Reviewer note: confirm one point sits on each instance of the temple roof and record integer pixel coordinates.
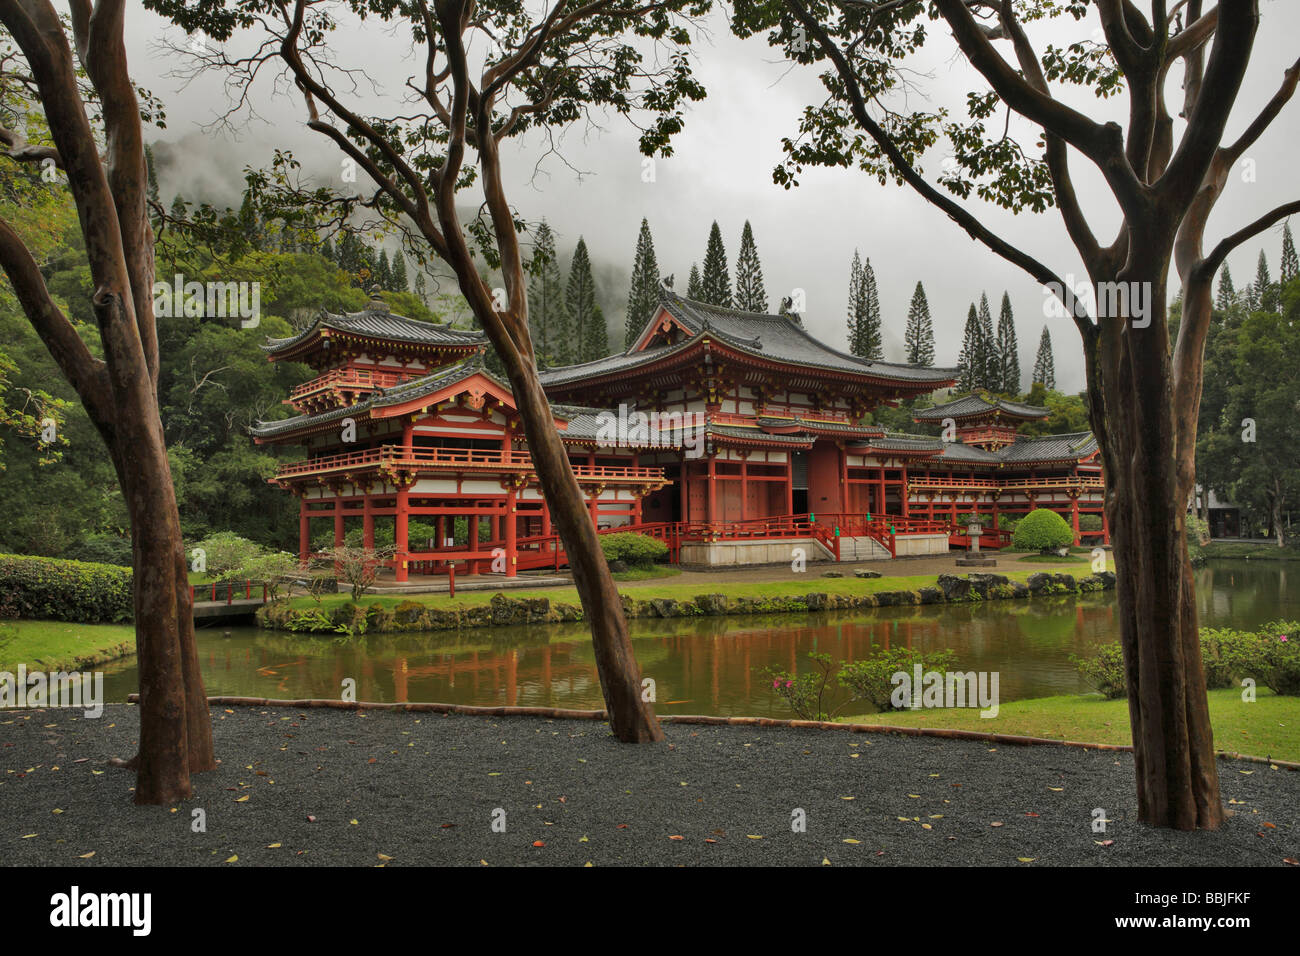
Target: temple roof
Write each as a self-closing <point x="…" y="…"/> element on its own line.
<point x="977" y="406"/>
<point x="377" y="322"/>
<point x="778" y="338"/>
<point x="1074" y="446"/>
<point x="395" y="395"/>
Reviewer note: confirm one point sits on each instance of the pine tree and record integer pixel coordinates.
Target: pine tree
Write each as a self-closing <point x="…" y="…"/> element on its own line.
<point x="580" y="297"/>
<point x="422" y="291"/>
<point x="327" y="252"/>
<point x="1044" y="364"/>
<point x="547" y="320"/>
<point x="643" y="296"/>
<point x="153" y="176"/>
<point x="855" y="303"/>
<point x="1265" y="296"/>
<point x="694" y="285"/>
<point x="989" y="350"/>
<point x="750" y="294"/>
<point x="1227" y="294"/>
<point x="870" y="338"/>
<point x="918" y="338"/>
<point x="383" y="271"/>
<point x="400" y="282"/>
<point x="1008" y="349"/>
<point x="1290" y="263"/>
<point x="350" y="256"/>
<point x="970" y="362"/>
<point x="715" y="281"/>
<point x="595" y="342"/>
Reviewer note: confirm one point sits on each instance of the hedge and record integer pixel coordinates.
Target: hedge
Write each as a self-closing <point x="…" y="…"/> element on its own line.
<point x="638" y="550"/>
<point x="62" y="590"/>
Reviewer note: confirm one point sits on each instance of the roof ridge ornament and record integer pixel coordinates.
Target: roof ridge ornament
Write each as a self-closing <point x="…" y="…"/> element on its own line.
<point x="377" y="303"/>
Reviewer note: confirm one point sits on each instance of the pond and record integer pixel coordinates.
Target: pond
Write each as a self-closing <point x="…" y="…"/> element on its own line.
<point x="706" y="665"/>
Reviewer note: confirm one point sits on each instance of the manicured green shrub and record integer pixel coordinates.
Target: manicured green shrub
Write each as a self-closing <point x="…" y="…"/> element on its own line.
<point x="1042" y="530"/>
<point x="1216" y="656"/>
<point x="1270" y="655"/>
<point x="62" y="590"/>
<point x="223" y="556"/>
<point x="872" y="679"/>
<point x="638" y="550"/>
<point x="1104" y="670"/>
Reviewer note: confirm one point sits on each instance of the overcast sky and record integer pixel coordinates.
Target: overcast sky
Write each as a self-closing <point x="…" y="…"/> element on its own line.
<point x="723" y="170"/>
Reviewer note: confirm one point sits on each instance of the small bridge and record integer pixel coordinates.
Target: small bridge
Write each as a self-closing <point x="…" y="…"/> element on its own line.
<point x="230" y="599"/>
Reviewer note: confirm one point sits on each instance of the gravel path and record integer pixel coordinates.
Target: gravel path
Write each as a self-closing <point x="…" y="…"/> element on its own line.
<point x="401" y="788"/>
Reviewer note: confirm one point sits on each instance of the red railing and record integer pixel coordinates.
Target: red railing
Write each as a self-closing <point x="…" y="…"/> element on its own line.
<point x="226" y="591"/>
<point x="354" y="378"/>
<point x="1010" y="484"/>
<point x="456" y="459"/>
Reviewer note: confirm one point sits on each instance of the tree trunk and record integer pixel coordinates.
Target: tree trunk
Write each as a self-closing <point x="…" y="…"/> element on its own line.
<point x="631" y="718"/>
<point x="1149" y="479"/>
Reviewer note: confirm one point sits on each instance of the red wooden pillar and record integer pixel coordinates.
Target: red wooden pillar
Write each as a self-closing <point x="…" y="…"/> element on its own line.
<point x="1074" y="517"/>
<point x="684" y="490"/>
<point x="367" y="524"/>
<point x="472" y="520"/>
<point x="399" y="534"/>
<point x="712" y="511"/>
<point x="338" y="520"/>
<point x="905" y="497"/>
<point x="744" y="489"/>
<point x="511" y="554"/>
<point x="789" y="482"/>
<point x="304" y="532"/>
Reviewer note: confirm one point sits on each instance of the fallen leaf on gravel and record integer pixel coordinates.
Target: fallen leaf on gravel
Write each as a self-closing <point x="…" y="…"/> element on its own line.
<point x="1271" y="826"/>
<point x="905" y="819"/>
<point x="234" y="859"/>
<point x="86" y="856"/>
<point x="274" y="846"/>
<point x="1056" y="789"/>
<point x="622" y="826"/>
<point x="445" y="826"/>
<point x="710" y="840"/>
<point x="825" y="862"/>
<point x="1246" y="772"/>
<point x="30" y="835"/>
<point x="383" y="856"/>
<point x="936" y="816"/>
<point x="848" y="798"/>
<point x="538" y="843"/>
<point x="310" y="818"/>
<point x="676" y="837"/>
<point x="1031" y="814"/>
<point x="927" y="826"/>
<point x="587" y="864"/>
<point x="1293" y="862"/>
<point x="1104" y="842"/>
<point x="753" y="836"/>
<point x="242" y="799"/>
<point x="56" y="810"/>
<point x="996" y="824"/>
<point x="354" y="823"/>
<point x="852" y="841"/>
<point x="1026" y="859"/>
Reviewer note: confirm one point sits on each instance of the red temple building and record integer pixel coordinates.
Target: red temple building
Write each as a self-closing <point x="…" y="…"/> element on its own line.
<point x="732" y="436"/>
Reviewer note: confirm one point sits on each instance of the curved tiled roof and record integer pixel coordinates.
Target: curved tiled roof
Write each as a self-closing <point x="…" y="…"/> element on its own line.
<point x="381" y="324"/>
<point x="395" y="395"/>
<point x="972" y="406"/>
<point x="1068" y="447"/>
<point x="773" y="337"/>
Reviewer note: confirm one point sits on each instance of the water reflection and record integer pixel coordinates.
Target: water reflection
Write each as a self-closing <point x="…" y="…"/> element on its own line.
<point x="701" y="665"/>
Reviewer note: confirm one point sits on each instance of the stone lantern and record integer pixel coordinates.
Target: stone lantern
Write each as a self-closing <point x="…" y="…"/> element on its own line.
<point x="973" y="558"/>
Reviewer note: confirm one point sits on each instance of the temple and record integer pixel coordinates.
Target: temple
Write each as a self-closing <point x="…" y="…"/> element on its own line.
<point x="732" y="436"/>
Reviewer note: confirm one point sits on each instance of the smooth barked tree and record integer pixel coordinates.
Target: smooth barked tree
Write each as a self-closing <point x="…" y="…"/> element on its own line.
<point x="96" y="152"/>
<point x="1163" y="177"/>
<point x="490" y="71"/>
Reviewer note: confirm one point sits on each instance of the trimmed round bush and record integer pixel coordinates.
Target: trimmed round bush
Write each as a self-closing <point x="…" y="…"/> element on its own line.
<point x="61" y="590"/>
<point x="637" y="550"/>
<point x="1042" y="530"/>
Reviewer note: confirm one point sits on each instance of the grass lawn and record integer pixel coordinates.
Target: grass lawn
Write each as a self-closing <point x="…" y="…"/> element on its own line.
<point x="646" y="574"/>
<point x="1249" y="549"/>
<point x="60" y="646"/>
<point x="795" y="587"/>
<point x="1269" y="727"/>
